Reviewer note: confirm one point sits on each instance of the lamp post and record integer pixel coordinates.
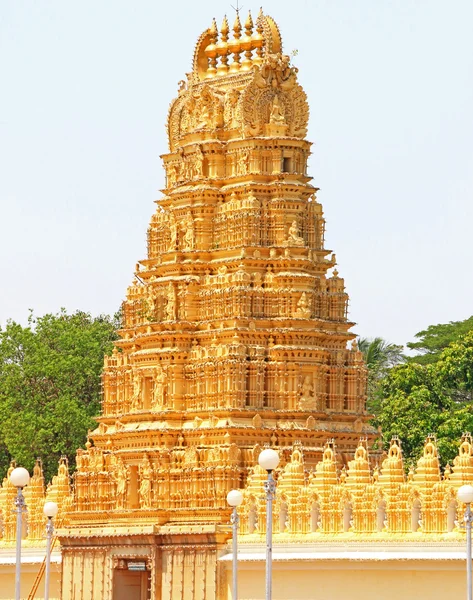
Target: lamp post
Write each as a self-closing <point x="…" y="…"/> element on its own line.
<point x="234" y="499"/>
<point x="19" y="478"/>
<point x="465" y="495"/>
<point x="50" y="510"/>
<point x="269" y="460"/>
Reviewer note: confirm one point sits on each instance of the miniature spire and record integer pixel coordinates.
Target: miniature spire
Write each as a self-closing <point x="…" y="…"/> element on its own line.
<point x="258" y="39"/>
<point x="222" y="48"/>
<point x="234" y="45"/>
<point x="211" y="51"/>
<point x="247" y="44"/>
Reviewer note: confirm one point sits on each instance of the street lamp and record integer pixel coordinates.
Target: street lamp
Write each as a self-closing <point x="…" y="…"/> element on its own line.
<point x="50" y="510"/>
<point x="19" y="478"/>
<point x="269" y="460"/>
<point x="465" y="495"/>
<point x="234" y="499"/>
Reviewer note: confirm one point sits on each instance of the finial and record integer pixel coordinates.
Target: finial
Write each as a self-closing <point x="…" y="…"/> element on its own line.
<point x="237" y="26"/>
<point x="249" y="23"/>
<point x="225" y="28"/>
<point x="258" y="39"/>
<point x="211" y="51"/>
<point x="247" y="44"/>
<point x="222" y="48"/>
<point x="234" y="45"/>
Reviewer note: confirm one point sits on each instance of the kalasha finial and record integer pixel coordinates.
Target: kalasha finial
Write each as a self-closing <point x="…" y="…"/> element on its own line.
<point x="211" y="51"/>
<point x="222" y="48"/>
<point x="247" y="44"/>
<point x="234" y="45"/>
<point x="249" y="24"/>
<point x="258" y="39"/>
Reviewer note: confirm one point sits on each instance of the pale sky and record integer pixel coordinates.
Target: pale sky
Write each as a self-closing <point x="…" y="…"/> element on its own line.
<point x="84" y="94"/>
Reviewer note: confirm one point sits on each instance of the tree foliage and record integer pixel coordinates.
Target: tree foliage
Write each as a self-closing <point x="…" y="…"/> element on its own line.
<point x="419" y="399"/>
<point x="380" y="356"/>
<point x="50" y="385"/>
<point x="433" y="340"/>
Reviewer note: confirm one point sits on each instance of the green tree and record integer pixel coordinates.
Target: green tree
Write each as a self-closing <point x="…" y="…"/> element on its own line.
<point x="50" y="385"/>
<point x="435" y="398"/>
<point x="380" y="356"/>
<point x="433" y="340"/>
<point x="455" y="369"/>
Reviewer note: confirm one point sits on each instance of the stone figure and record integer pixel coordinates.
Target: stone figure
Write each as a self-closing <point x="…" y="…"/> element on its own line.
<point x="171" y="303"/>
<point x="121" y="476"/>
<point x="230" y="109"/>
<point x="244" y="162"/>
<point x="145" y="484"/>
<point x="159" y="391"/>
<point x="303" y="307"/>
<point x="189" y="233"/>
<point x="198" y="163"/>
<point x="277" y="112"/>
<point x="308" y="398"/>
<point x="172" y="175"/>
<point x="307" y="388"/>
<point x="137" y="386"/>
<point x="174" y="234"/>
<point x="294" y="239"/>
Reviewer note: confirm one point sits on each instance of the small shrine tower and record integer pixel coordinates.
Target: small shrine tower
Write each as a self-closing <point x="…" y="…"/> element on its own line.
<point x="234" y="336"/>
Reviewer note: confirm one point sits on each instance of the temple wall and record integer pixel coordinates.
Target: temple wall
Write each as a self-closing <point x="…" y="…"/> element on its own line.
<point x="353" y="580"/>
<point x="28" y="576"/>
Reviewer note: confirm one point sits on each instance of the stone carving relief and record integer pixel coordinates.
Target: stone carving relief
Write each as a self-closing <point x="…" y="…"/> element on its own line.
<point x="293" y="237"/>
<point x="231" y="112"/>
<point x="197" y="109"/>
<point x="144" y="492"/>
<point x="188" y="238"/>
<point x="275" y="97"/>
<point x="137" y="391"/>
<point x="308" y="397"/>
<point x="159" y="388"/>
<point x="303" y="307"/>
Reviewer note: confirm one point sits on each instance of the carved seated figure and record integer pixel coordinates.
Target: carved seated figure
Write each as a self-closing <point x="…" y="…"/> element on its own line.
<point x="277" y="112"/>
<point x="293" y="237"/>
<point x="303" y="308"/>
<point x="307" y="400"/>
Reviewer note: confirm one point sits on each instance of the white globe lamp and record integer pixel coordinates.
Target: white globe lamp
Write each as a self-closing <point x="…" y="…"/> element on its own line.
<point x="50" y="509"/>
<point x="20" y="477"/>
<point x="234" y="498"/>
<point x="268" y="459"/>
<point x="465" y="494"/>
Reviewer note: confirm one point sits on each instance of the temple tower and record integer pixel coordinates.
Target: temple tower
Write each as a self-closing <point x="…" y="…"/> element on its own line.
<point x="234" y="334"/>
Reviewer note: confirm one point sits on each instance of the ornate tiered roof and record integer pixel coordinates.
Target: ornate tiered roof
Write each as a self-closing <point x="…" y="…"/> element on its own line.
<point x="235" y="327"/>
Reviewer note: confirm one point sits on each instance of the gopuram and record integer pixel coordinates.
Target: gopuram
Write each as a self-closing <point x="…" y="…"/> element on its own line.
<point x="235" y="335"/>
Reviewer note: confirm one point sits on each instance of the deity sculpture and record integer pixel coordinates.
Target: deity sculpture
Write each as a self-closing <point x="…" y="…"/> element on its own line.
<point x="303" y="307"/>
<point x="230" y="110"/>
<point x="243" y="162"/>
<point x="277" y="112"/>
<point x="159" y="390"/>
<point x="120" y="476"/>
<point x="171" y="303"/>
<point x="307" y="400"/>
<point x="172" y="175"/>
<point x="198" y="163"/>
<point x="174" y="234"/>
<point x="294" y="239"/>
<point x="189" y="234"/>
<point x="145" y="484"/>
<point x="137" y="386"/>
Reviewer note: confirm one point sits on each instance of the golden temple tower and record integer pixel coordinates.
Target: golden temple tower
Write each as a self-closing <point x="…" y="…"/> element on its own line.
<point x="234" y="335"/>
